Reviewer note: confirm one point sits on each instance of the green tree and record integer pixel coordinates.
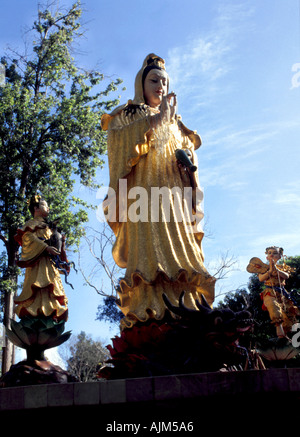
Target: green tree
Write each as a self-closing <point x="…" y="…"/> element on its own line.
<point x="108" y="311"/>
<point x="87" y="356"/>
<point x="294" y="280"/>
<point x="50" y="135"/>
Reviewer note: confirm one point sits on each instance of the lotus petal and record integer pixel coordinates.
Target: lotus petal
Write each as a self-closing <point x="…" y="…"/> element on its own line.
<point x="58" y="328"/>
<point x="28" y="321"/>
<point x="15" y="339"/>
<point x="58" y="341"/>
<point x="31" y="335"/>
<point x="41" y="332"/>
<point x="48" y="322"/>
<point x="18" y="329"/>
<point x="278" y="350"/>
<point x="24" y="331"/>
<point x="46" y="336"/>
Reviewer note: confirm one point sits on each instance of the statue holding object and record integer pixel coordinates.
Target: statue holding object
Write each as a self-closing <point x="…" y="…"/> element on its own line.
<point x="282" y="308"/>
<point x="42" y="304"/>
<point x="159" y="244"/>
<point x="161" y="255"/>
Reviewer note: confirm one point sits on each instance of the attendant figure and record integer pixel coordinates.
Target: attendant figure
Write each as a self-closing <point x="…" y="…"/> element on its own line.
<point x="42" y="293"/>
<point x="276" y="300"/>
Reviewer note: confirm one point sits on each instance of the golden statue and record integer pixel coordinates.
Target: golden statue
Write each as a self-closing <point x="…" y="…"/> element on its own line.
<point x="42" y="304"/>
<point x="42" y="293"/>
<point x="276" y="300"/>
<point x="157" y="219"/>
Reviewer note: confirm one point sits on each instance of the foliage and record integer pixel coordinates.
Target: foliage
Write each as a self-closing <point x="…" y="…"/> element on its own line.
<point x="50" y="133"/>
<point x="108" y="311"/>
<point x="294" y="280"/>
<point x="86" y="358"/>
<point x="50" y="124"/>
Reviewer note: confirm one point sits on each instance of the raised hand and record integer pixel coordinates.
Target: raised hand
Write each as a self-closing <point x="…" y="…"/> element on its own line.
<point x="168" y="106"/>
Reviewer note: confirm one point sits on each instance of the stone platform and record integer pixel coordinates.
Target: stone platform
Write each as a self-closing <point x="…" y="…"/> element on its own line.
<point x="182" y="399"/>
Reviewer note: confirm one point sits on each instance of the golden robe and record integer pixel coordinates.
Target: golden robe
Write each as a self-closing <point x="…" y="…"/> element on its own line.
<point x="42" y="292"/>
<point x="281" y="309"/>
<point x="160" y="253"/>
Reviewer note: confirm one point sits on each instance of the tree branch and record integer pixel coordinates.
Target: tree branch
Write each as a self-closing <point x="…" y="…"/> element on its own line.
<point x="225" y="266"/>
<point x="102" y="255"/>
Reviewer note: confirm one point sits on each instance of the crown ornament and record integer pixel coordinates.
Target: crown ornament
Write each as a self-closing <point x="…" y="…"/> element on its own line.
<point x="156" y="61"/>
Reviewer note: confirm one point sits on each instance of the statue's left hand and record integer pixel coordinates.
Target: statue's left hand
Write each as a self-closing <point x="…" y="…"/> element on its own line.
<point x="52" y="250"/>
<point x="168" y="106"/>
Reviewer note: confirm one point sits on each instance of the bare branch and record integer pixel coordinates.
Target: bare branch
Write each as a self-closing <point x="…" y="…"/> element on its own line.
<point x="225" y="266"/>
<point x="100" y="244"/>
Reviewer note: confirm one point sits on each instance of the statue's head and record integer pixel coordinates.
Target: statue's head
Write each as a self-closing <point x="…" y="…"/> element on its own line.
<point x="274" y="252"/>
<point x="38" y="206"/>
<point x="152" y="72"/>
<point x="152" y="65"/>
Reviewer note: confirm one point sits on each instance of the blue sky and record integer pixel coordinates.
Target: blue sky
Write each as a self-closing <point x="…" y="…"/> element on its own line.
<point x="235" y="68"/>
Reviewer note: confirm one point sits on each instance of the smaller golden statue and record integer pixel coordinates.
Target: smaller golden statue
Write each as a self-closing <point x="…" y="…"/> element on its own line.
<point x="42" y="292"/>
<point x="276" y="299"/>
<point x="42" y="304"/>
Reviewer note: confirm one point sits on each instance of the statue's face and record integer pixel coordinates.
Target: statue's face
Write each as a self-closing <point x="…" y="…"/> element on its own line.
<point x="155" y="87"/>
<point x="273" y="254"/>
<point x="42" y="210"/>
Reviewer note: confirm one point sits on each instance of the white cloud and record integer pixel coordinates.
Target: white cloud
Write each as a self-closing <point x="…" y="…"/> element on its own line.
<point x="256" y="134"/>
<point x="235" y="158"/>
<point x="290" y="241"/>
<point x="289" y="196"/>
<point x="197" y="67"/>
